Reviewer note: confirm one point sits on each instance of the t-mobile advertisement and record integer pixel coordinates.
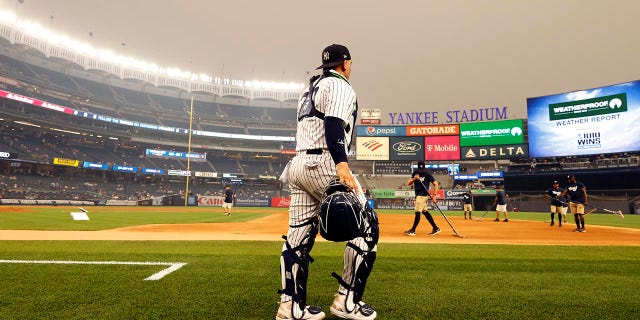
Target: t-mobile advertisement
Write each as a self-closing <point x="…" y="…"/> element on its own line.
<point x="442" y="148"/>
<point x="593" y="121"/>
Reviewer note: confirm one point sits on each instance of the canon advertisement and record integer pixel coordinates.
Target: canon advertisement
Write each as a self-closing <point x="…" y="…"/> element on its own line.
<point x="594" y="121"/>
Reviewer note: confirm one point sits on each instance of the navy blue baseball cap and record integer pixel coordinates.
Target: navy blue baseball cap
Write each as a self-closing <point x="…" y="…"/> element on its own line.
<point x="555" y="182"/>
<point x="420" y="164"/>
<point x="334" y="55"/>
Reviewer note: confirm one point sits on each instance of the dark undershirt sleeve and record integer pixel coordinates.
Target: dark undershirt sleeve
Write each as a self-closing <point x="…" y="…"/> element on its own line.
<point x="334" y="135"/>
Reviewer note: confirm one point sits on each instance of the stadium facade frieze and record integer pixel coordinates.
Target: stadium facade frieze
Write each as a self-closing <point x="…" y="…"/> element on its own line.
<point x="451" y="116"/>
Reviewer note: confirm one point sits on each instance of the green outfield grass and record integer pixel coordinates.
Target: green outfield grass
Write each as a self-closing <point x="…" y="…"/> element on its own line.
<point x="102" y="218"/>
<point x="238" y="280"/>
<point x="59" y="218"/>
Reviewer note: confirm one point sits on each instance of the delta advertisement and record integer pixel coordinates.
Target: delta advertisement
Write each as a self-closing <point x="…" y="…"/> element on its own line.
<point x="507" y="151"/>
<point x="593" y="121"/>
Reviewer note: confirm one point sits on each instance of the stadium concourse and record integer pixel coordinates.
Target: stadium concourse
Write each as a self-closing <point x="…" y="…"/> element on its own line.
<point x="271" y="228"/>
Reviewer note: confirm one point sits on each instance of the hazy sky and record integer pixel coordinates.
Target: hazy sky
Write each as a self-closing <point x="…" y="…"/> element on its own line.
<point x="416" y="55"/>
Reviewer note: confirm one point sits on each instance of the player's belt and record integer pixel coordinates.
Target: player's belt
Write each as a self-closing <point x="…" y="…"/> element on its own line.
<point x="314" y="151"/>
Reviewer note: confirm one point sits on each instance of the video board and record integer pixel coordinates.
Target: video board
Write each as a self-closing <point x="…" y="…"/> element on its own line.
<point x="593" y="121"/>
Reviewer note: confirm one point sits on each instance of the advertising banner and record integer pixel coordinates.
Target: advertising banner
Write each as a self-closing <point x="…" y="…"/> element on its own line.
<point x="406" y="148"/>
<point x="442" y="148"/>
<point x="454" y="194"/>
<point x="516" y="151"/>
<point x="176" y="154"/>
<point x="383" y="193"/>
<point x="210" y="201"/>
<point x="490" y="174"/>
<point x="465" y="177"/>
<point x="125" y="169"/>
<point x="491" y="133"/>
<point x="8" y="155"/>
<point x="66" y="162"/>
<point x="253" y="202"/>
<point x="404" y="194"/>
<point x="93" y="165"/>
<point x="280" y="202"/>
<point x="206" y="174"/>
<point x="372" y="148"/>
<point x="435" y="130"/>
<point x="380" y="131"/>
<point x="585" y="122"/>
<point x="35" y="102"/>
<point x="182" y="173"/>
<point x="152" y="171"/>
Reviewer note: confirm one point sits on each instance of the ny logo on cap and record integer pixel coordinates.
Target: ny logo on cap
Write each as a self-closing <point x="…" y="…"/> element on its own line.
<point x="325" y="55"/>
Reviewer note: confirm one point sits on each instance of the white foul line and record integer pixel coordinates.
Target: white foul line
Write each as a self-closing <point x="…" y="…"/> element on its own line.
<point x="173" y="266"/>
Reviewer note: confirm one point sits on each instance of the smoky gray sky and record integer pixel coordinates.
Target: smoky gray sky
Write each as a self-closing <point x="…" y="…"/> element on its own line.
<point x="408" y="56"/>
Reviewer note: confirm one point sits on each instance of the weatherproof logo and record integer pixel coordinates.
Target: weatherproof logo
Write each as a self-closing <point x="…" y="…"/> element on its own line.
<point x="588" y="107"/>
<point x="516" y="131"/>
<point x="372" y="145"/>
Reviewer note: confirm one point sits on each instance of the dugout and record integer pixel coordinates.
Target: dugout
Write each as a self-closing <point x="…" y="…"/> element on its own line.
<point x="612" y="188"/>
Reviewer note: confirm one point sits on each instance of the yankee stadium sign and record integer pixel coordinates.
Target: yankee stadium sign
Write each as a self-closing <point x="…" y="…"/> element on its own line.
<point x="452" y="116"/>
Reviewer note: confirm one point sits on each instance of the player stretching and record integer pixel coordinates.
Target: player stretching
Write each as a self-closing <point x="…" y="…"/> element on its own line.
<point x="326" y="116"/>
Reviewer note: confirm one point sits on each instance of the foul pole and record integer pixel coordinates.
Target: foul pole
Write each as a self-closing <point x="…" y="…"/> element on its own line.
<point x="186" y="193"/>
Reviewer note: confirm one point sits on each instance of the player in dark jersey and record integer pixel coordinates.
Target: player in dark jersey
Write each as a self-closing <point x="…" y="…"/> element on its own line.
<point x="467" y="205"/>
<point x="228" y="200"/>
<point x="557" y="204"/>
<point x="500" y="202"/>
<point x="420" y="179"/>
<point x="577" y="193"/>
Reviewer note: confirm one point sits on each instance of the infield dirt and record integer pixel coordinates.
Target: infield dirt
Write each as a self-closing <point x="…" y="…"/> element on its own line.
<point x="392" y="226"/>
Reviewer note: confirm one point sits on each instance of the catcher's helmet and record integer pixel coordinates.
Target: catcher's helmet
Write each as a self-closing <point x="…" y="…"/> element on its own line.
<point x="341" y="215"/>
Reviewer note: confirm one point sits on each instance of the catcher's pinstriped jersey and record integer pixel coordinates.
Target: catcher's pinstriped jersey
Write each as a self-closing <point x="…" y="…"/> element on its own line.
<point x="334" y="97"/>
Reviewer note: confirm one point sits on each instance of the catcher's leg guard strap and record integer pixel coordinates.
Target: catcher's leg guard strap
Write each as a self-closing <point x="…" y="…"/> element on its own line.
<point x="294" y="268"/>
<point x="360" y="255"/>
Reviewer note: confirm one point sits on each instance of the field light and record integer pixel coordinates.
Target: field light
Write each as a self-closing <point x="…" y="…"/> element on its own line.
<point x="35" y="30"/>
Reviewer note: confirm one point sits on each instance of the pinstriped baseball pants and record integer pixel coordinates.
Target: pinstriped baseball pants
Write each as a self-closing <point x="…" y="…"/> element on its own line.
<point x="308" y="177"/>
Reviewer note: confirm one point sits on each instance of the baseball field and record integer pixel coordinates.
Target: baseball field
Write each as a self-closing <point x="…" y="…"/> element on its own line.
<point x="195" y="263"/>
